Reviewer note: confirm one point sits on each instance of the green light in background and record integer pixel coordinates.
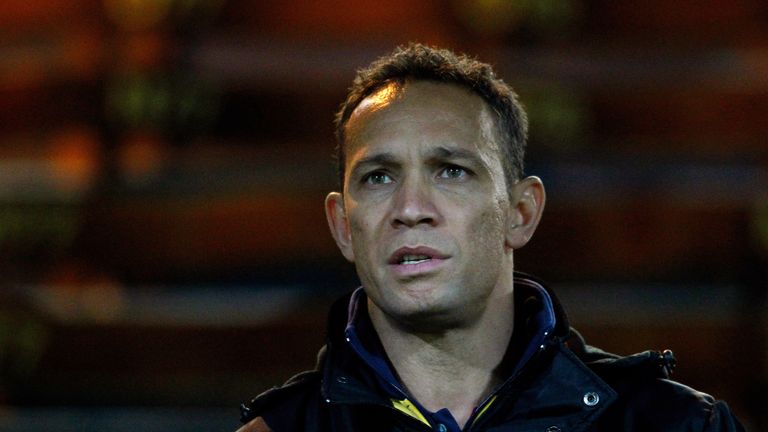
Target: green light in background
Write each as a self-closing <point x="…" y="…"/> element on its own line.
<point x="496" y="17"/>
<point x="559" y="118"/>
<point x="164" y="103"/>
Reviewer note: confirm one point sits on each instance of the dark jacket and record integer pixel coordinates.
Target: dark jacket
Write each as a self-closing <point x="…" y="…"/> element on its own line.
<point x="565" y="386"/>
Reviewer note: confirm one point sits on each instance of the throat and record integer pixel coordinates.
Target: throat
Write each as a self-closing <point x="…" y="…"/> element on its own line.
<point x="455" y="368"/>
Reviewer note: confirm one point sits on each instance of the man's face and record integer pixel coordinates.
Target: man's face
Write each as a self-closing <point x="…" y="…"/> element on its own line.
<point x="426" y="203"/>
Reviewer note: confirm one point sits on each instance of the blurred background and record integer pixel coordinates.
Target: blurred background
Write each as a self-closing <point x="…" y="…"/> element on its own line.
<point x="163" y="249"/>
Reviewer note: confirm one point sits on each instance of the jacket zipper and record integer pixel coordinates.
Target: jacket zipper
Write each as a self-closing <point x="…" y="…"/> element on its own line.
<point x="472" y="421"/>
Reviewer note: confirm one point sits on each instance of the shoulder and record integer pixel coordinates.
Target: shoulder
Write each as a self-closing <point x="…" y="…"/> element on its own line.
<point x="649" y="400"/>
<point x="286" y="407"/>
<point x="662" y="404"/>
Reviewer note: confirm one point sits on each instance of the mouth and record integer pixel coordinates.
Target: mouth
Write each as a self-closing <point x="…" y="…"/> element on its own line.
<point x="415" y="260"/>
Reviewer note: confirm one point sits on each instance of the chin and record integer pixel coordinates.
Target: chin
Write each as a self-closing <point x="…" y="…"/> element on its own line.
<point x="431" y="321"/>
<point x="424" y="313"/>
<point x="419" y="296"/>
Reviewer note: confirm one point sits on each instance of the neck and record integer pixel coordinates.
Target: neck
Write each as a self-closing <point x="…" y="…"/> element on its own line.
<point x="455" y="368"/>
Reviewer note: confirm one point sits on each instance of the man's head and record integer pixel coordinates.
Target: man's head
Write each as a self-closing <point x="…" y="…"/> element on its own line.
<point x="426" y="211"/>
<point x="417" y="62"/>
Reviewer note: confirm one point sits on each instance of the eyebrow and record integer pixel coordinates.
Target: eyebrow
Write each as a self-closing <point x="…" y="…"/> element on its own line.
<point x="378" y="159"/>
<point x="442" y="153"/>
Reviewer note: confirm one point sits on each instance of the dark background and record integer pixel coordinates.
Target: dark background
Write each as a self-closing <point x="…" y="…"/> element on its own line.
<point x="163" y="249"/>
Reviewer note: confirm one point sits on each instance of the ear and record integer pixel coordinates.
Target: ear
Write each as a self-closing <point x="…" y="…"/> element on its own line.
<point x="526" y="208"/>
<point x="338" y="223"/>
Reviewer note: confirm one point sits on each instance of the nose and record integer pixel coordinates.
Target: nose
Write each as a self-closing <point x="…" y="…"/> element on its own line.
<point x="414" y="205"/>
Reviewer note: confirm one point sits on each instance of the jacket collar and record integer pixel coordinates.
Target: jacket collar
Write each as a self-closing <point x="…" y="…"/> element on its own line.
<point x="552" y="380"/>
<point x="532" y="303"/>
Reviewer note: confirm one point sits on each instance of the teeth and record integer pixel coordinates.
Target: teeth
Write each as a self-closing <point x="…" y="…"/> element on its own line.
<point x="414" y="259"/>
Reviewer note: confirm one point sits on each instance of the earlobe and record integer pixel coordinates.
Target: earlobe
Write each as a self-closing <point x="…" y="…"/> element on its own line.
<point x="336" y="215"/>
<point x="526" y="207"/>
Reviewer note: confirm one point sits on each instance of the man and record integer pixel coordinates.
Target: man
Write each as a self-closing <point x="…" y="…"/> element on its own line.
<point x="443" y="334"/>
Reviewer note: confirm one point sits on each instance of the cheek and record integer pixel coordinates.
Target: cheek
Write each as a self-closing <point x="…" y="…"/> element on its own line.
<point x="487" y="232"/>
<point x="360" y="225"/>
<point x="362" y="229"/>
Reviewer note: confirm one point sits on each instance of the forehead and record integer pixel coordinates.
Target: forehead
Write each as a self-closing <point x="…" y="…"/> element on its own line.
<point x="420" y="111"/>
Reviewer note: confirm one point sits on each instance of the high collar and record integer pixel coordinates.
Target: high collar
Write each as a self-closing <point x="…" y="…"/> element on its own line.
<point x="535" y="322"/>
<point x="548" y="378"/>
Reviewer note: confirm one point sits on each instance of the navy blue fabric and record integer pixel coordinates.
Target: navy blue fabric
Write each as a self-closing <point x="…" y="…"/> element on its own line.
<point x="371" y="352"/>
<point x="540" y="324"/>
<point x="445" y="418"/>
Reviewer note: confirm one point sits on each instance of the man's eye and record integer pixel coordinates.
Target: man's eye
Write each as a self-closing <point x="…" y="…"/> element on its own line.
<point x="377" y="178"/>
<point x="453" y="172"/>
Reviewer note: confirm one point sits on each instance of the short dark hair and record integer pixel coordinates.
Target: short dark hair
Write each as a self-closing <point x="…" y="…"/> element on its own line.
<point x="421" y="62"/>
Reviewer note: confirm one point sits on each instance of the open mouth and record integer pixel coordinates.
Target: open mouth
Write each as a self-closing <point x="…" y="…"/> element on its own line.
<point x="411" y="256"/>
<point x="414" y="259"/>
<point x="410" y="262"/>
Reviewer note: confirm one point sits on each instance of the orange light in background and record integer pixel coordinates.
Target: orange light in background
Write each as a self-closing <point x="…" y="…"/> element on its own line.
<point x="399" y="20"/>
<point x="74" y="159"/>
<point x="81" y="54"/>
<point x="74" y="291"/>
<point x="31" y="13"/>
<point x="144" y="51"/>
<point x="358" y="14"/>
<point x="33" y="63"/>
<point x="24" y="69"/>
<point x="141" y="158"/>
